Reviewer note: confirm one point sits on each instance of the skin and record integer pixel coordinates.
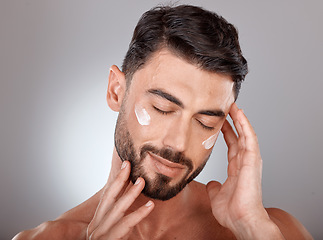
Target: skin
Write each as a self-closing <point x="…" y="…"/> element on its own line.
<point x="233" y="210"/>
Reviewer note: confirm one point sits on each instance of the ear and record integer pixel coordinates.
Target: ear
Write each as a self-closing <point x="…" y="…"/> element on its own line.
<point x="116" y="88"/>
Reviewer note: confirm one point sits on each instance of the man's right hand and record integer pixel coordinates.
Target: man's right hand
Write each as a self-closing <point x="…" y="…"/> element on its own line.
<point x="109" y="221"/>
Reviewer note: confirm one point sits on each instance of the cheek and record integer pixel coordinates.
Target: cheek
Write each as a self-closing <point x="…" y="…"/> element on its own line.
<point x="201" y="150"/>
<point x="209" y="143"/>
<point x="141" y="123"/>
<point x="142" y="115"/>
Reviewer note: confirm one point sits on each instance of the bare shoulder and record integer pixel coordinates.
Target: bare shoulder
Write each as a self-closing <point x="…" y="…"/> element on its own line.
<point x="52" y="230"/>
<point x="70" y="225"/>
<point x="290" y="227"/>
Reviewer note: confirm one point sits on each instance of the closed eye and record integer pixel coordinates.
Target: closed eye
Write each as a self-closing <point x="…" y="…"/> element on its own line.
<point x="168" y="112"/>
<point x="161" y="111"/>
<point x="205" y="127"/>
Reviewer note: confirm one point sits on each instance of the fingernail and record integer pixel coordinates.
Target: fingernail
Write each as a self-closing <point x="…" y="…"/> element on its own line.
<point x="137" y="181"/>
<point x="124" y="164"/>
<point x="149" y="203"/>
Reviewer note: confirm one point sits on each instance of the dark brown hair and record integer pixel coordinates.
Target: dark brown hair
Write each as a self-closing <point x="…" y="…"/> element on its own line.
<point x="198" y="36"/>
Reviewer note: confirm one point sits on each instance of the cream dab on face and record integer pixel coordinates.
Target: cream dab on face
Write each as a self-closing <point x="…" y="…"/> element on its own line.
<point x="142" y="115"/>
<point x="208" y="143"/>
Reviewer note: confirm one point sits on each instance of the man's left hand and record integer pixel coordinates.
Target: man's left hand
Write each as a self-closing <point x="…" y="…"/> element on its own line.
<point x="237" y="204"/>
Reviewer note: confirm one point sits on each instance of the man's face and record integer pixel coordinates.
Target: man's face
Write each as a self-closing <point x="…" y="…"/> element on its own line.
<point x="169" y="121"/>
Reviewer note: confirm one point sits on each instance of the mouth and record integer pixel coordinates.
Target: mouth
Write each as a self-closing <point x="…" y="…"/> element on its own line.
<point x="166" y="167"/>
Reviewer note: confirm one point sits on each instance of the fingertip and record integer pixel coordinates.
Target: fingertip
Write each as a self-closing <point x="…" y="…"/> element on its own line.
<point x="241" y="113"/>
<point x="149" y="204"/>
<point x="213" y="186"/>
<point x="124" y="171"/>
<point x="140" y="183"/>
<point x="234" y="107"/>
<point x="210" y="183"/>
<point x="124" y="164"/>
<point x="137" y="181"/>
<point x="242" y="116"/>
<point x="141" y="179"/>
<point x="234" y="111"/>
<point x="143" y="182"/>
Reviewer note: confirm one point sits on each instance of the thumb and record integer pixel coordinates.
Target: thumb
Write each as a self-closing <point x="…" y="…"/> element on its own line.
<point x="213" y="188"/>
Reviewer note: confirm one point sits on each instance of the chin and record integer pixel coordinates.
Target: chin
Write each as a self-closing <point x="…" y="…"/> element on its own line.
<point x="162" y="188"/>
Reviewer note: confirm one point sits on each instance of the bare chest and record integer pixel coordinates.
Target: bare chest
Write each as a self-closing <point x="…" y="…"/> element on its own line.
<point x="192" y="229"/>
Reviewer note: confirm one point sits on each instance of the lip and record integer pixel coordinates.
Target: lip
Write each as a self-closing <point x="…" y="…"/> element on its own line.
<point x="166" y="167"/>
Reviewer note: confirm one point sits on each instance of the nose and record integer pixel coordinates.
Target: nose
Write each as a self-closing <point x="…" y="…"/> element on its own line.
<point x="177" y="135"/>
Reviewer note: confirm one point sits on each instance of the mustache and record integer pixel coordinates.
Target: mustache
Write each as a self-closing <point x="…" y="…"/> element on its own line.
<point x="168" y="154"/>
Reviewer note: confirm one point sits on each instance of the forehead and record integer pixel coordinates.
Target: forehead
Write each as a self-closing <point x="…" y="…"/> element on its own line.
<point x="192" y="85"/>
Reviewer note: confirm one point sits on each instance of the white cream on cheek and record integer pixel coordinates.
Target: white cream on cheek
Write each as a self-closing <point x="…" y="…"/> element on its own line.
<point x="208" y="143"/>
<point x="142" y="115"/>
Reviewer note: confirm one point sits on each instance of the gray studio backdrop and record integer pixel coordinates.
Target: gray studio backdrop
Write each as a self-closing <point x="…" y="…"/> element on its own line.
<point x="56" y="132"/>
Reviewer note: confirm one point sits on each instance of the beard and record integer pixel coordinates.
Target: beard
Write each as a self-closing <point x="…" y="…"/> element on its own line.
<point x="160" y="186"/>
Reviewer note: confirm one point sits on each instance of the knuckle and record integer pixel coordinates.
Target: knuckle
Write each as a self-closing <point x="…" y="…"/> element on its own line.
<point x="118" y="208"/>
<point x="131" y="195"/>
<point x="128" y="223"/>
<point x="107" y="195"/>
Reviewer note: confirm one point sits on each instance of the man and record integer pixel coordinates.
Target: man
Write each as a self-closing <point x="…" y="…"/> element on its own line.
<point x="179" y="81"/>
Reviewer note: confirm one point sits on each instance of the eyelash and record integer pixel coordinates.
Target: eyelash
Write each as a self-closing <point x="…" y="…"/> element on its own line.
<point x="168" y="112"/>
<point x="205" y="127"/>
<point x="161" y="111"/>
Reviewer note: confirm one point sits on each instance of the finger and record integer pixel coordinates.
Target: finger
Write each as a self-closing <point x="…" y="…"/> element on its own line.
<point x="125" y="189"/>
<point x="213" y="188"/>
<point x="229" y="135"/>
<point x="126" y="224"/>
<point x="242" y="139"/>
<point x="234" y="113"/>
<point x="252" y="155"/>
<point x="122" y="205"/>
<point x="234" y="116"/>
<point x="110" y="195"/>
<point x="251" y="140"/>
<point x="230" y="139"/>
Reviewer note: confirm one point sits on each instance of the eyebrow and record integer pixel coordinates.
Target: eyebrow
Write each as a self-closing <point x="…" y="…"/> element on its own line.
<point x="167" y="96"/>
<point x="216" y="113"/>
<point x="173" y="99"/>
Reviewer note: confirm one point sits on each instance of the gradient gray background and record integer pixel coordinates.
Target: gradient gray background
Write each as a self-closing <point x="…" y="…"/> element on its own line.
<point x="56" y="132"/>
